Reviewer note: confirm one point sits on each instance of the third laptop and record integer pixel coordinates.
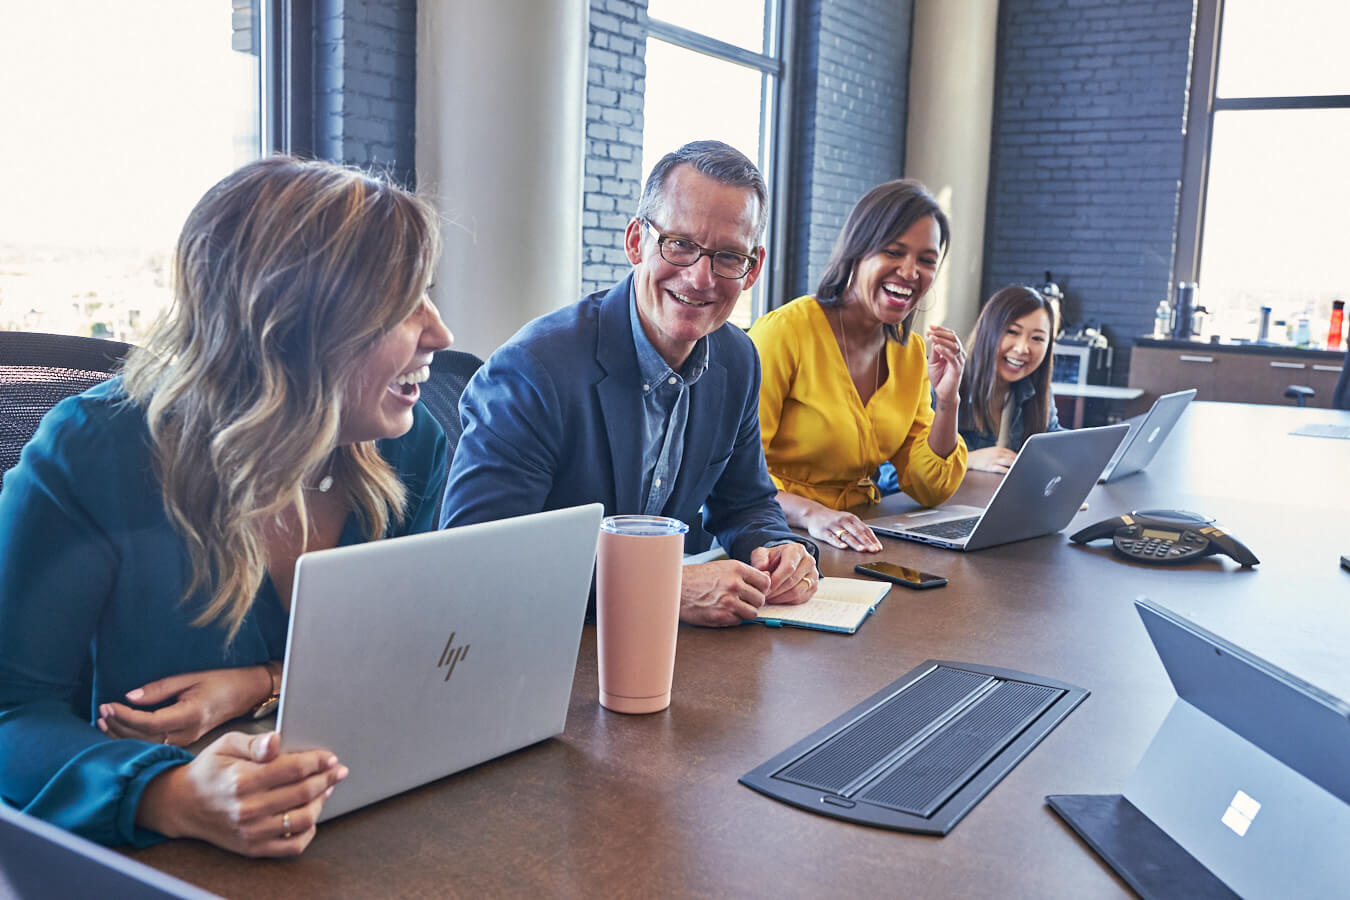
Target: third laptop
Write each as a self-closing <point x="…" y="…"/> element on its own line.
<point x="1137" y="450"/>
<point x="1040" y="494"/>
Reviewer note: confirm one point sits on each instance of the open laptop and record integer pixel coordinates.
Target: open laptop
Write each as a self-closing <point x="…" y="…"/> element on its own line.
<point x="1145" y="437"/>
<point x="416" y="657"/>
<point x="1040" y="494"/>
<point x="1245" y="789"/>
<point x="38" y="861"/>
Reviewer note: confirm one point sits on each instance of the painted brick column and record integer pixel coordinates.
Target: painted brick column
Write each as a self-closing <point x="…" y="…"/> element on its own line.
<point x="616" y="80"/>
<point x="364" y="83"/>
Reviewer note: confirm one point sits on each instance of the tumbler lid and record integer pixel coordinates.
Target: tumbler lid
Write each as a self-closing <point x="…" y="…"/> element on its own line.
<point x="647" y="526"/>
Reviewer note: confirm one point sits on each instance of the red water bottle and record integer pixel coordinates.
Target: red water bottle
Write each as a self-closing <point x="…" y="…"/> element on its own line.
<point x="1337" y="320"/>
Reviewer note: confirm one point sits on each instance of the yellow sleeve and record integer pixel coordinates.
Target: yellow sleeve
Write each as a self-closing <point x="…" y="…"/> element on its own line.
<point x="924" y="475"/>
<point x="779" y="354"/>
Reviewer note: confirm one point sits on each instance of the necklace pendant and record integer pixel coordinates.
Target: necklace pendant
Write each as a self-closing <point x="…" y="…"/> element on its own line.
<point x="325" y="484"/>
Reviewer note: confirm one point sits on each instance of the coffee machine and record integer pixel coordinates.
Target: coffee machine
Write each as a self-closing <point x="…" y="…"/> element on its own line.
<point x="1186" y="315"/>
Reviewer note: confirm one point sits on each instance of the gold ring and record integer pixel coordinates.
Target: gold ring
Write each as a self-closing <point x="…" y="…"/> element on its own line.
<point x="286" y="825"/>
<point x="840" y="534"/>
<point x="809" y="581"/>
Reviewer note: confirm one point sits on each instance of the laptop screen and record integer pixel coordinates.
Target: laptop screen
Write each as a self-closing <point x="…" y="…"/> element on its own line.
<point x="40" y="861"/>
<point x="1303" y="727"/>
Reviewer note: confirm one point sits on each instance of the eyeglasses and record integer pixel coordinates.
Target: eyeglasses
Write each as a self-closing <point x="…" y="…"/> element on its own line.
<point x="680" y="251"/>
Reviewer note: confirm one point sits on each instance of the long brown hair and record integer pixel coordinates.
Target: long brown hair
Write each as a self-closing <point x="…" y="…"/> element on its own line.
<point x="981" y="373"/>
<point x="285" y="273"/>
<point x="875" y="222"/>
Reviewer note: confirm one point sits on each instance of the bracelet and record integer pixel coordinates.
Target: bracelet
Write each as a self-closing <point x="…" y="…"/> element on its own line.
<point x="269" y="703"/>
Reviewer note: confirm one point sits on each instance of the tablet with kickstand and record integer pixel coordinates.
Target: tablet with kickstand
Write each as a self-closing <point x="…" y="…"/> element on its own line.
<point x="1244" y="790"/>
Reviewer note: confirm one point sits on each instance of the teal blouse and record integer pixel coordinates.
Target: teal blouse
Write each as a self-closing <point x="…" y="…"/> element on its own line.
<point x="91" y="576"/>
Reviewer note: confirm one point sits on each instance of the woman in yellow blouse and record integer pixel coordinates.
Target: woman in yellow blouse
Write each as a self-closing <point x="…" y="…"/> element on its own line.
<point x="846" y="385"/>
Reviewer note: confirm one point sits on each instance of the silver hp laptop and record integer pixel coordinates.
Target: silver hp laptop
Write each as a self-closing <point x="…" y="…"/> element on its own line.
<point x="1138" y="450"/>
<point x="1245" y="783"/>
<point x="1040" y="494"/>
<point x="416" y="657"/>
<point x="39" y="860"/>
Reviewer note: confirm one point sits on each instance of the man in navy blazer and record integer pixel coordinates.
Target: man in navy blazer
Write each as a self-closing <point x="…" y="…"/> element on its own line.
<point x="644" y="399"/>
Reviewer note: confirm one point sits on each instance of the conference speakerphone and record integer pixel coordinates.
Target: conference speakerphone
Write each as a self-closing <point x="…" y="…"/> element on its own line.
<point x="921" y="752"/>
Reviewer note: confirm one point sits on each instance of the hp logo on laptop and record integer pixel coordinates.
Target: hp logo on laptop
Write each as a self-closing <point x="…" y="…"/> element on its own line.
<point x="1051" y="485"/>
<point x="451" y="655"/>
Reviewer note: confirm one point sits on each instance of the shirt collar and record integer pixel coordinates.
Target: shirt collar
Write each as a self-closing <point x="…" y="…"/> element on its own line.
<point x="1022" y="390"/>
<point x="651" y="366"/>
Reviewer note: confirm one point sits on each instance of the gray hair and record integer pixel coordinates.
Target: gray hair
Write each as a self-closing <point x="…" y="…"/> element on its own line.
<point x="720" y="162"/>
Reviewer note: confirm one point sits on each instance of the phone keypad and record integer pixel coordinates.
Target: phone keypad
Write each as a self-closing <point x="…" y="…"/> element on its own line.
<point x="1131" y="542"/>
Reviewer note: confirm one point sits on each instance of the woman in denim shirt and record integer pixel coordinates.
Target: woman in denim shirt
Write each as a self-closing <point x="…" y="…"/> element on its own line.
<point x="1005" y="394"/>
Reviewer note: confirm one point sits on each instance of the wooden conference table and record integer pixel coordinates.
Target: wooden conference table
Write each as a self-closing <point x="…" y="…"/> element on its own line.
<point x="650" y="806"/>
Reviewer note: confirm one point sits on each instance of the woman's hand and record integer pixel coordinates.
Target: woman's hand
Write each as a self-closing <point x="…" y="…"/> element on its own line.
<point x="946" y="362"/>
<point x="240" y="793"/>
<point x="201" y="701"/>
<point x="991" y="459"/>
<point x="826" y="524"/>
<point x="839" y="528"/>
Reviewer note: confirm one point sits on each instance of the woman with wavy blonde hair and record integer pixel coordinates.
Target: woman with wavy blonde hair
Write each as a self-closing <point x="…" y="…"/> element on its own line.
<point x="149" y="533"/>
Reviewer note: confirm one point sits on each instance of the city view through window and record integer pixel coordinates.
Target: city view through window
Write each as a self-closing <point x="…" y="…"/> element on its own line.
<point x="118" y="117"/>
<point x="1275" y="227"/>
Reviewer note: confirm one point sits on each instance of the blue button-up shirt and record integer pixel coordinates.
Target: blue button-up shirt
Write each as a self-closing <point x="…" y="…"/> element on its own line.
<point x="665" y="412"/>
<point x="1019" y="395"/>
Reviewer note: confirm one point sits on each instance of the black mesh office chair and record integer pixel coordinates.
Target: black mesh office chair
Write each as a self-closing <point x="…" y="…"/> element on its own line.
<point x="37" y="371"/>
<point x="450" y="372"/>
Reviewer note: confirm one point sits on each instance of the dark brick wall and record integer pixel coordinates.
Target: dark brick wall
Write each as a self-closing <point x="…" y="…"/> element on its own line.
<point x="365" y="83"/>
<point x="852" y="66"/>
<point x="616" y="80"/>
<point x="1089" y="108"/>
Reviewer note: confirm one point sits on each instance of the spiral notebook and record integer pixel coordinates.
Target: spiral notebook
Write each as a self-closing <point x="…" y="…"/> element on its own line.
<point x="839" y="604"/>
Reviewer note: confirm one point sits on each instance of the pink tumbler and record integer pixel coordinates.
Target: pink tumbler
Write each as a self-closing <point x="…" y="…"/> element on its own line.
<point x="637" y="597"/>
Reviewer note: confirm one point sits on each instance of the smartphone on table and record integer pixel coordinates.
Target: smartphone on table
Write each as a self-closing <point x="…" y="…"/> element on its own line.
<point x="901" y="575"/>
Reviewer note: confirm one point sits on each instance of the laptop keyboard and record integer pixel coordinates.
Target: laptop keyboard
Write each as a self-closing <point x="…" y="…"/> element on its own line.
<point x="956" y="528"/>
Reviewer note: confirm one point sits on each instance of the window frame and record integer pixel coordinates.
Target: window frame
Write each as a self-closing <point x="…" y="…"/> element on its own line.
<point x="775" y="110"/>
<point x="287" y="99"/>
<point x="1202" y="105"/>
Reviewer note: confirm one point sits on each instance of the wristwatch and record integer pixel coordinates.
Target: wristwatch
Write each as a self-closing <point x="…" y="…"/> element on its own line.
<point x="268" y="704"/>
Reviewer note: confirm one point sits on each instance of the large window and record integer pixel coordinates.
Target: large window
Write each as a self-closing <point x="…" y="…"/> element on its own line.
<point x="117" y="117"/>
<point x="1264" y="218"/>
<point x="714" y="71"/>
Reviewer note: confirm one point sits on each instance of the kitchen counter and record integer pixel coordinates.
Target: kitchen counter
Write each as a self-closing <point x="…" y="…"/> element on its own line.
<point x="1336" y="356"/>
<point x="1235" y="373"/>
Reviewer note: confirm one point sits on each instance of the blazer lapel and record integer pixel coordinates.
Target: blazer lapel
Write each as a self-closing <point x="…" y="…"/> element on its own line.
<point x="620" y="399"/>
